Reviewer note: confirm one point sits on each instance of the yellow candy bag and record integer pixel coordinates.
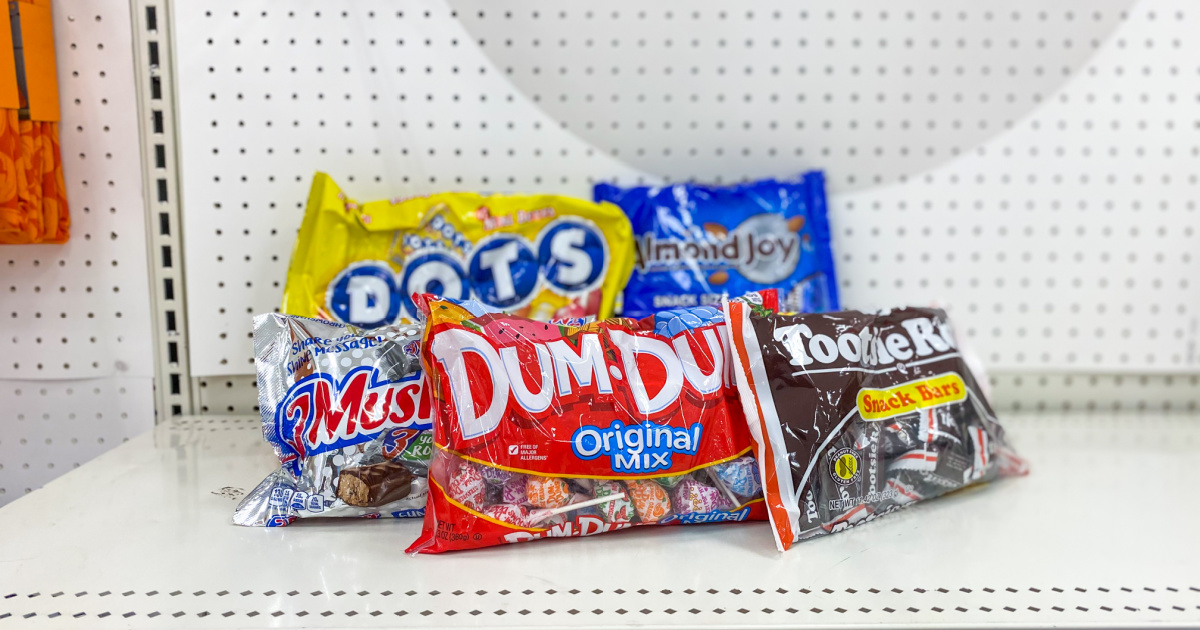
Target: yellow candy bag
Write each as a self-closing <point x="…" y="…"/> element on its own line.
<point x="544" y="257"/>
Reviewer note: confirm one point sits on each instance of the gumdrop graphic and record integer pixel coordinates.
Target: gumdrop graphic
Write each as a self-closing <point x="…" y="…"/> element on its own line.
<point x="672" y="322"/>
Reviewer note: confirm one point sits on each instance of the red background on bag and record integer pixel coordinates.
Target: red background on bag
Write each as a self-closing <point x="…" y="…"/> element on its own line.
<point x="724" y="433"/>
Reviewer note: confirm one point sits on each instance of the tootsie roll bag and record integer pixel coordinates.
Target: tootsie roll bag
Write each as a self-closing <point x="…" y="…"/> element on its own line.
<point x="859" y="414"/>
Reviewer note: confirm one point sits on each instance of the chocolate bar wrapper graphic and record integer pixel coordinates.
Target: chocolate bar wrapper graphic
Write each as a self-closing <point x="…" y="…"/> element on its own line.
<point x="347" y="413"/>
<point x="375" y="485"/>
<point x="856" y="415"/>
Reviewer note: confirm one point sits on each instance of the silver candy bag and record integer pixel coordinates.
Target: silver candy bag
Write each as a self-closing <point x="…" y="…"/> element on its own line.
<point x="348" y="414"/>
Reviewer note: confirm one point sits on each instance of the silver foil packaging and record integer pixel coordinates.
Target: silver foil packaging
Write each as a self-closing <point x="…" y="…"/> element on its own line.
<point x="348" y="415"/>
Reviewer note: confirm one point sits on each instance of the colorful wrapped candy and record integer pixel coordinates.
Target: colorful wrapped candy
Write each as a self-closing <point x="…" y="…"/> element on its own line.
<point x="547" y="492"/>
<point x="601" y="420"/>
<point x="650" y="500"/>
<point x="671" y="482"/>
<point x="693" y="497"/>
<point x="497" y="476"/>
<point x="617" y="510"/>
<point x="513" y="490"/>
<point x="509" y="513"/>
<point x="468" y="487"/>
<point x="740" y="476"/>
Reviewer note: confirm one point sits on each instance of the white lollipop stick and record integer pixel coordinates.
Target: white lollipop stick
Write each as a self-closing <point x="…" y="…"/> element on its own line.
<point x="723" y="488"/>
<point x="538" y="516"/>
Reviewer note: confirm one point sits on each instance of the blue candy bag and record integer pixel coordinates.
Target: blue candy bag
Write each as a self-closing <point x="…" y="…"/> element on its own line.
<point x="696" y="244"/>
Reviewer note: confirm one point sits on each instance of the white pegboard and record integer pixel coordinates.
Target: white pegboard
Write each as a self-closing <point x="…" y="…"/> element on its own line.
<point x="227" y="395"/>
<point x="81" y="310"/>
<point x="1028" y="165"/>
<point x="1010" y="393"/>
<point x="1024" y="392"/>
<point x="52" y="427"/>
<point x="77" y="369"/>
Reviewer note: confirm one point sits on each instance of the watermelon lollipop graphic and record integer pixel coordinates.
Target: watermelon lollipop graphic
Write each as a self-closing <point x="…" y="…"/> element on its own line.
<point x="507" y="331"/>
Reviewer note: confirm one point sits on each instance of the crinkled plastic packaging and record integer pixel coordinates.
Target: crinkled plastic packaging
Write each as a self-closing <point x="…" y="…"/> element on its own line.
<point x="856" y="415"/>
<point x="544" y="430"/>
<point x="349" y="417"/>
<point x="697" y="244"/>
<point x="540" y="256"/>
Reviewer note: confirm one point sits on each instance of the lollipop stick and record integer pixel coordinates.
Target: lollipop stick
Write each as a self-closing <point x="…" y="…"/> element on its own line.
<point x="541" y="515"/>
<point x="723" y="488"/>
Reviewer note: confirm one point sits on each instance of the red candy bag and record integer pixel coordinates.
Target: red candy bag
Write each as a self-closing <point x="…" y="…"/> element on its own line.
<point x="547" y="431"/>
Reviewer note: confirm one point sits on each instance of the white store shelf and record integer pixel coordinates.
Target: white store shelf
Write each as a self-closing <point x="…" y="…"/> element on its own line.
<point x="1101" y="533"/>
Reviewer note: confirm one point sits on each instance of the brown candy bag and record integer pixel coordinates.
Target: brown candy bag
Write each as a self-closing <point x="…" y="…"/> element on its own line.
<point x="859" y="414"/>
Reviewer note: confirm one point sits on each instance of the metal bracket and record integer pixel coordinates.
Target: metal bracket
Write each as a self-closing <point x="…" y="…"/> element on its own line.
<point x="164" y="225"/>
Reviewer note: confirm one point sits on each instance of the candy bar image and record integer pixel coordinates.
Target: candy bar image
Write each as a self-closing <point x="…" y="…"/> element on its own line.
<point x="859" y="414"/>
<point x="374" y="485"/>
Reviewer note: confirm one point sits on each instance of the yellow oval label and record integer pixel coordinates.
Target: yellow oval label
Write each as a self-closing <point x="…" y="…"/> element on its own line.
<point x="943" y="389"/>
<point x="845" y="467"/>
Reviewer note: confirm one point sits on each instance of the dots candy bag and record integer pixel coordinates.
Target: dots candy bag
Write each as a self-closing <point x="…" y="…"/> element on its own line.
<point x="349" y="416"/>
<point x="696" y="244"/>
<point x="540" y="256"/>
<point x="544" y="430"/>
<point x="856" y="415"/>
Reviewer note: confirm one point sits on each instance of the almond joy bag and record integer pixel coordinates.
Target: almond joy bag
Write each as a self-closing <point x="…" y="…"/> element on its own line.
<point x="544" y="430"/>
<point x="859" y="414"/>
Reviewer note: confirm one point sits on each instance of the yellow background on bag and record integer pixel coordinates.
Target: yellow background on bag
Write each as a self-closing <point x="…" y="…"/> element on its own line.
<point x="337" y="232"/>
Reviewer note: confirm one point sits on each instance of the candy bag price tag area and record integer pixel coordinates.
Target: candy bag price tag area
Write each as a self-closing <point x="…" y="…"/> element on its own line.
<point x="547" y="430"/>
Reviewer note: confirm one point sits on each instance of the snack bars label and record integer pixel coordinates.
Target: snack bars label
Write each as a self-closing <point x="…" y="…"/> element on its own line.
<point x="858" y="414"/>
<point x="348" y="414"/>
<point x="635" y="422"/>
<point x="541" y="256"/>
<point x="696" y="245"/>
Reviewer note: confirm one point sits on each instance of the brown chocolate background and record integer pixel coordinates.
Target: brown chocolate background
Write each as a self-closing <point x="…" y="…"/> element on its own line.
<point x="810" y="405"/>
